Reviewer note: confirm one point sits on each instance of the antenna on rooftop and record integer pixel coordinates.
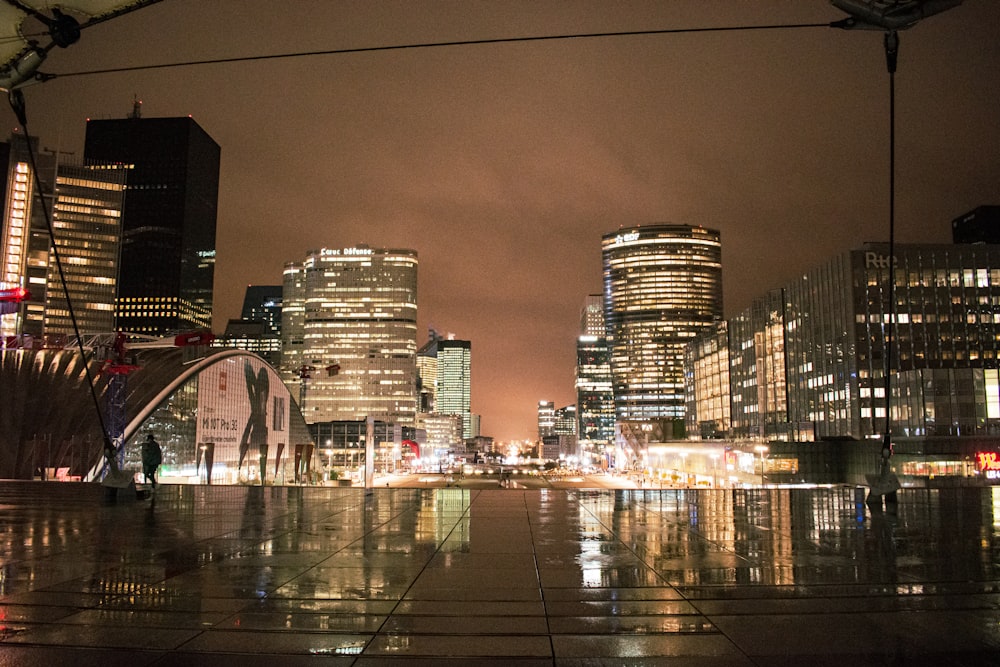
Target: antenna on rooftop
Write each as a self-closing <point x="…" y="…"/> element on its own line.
<point x="136" y="108"/>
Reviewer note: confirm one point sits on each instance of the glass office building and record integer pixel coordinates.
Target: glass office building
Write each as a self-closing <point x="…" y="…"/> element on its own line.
<point x="86" y="221"/>
<point x="168" y="243"/>
<point x="594" y="397"/>
<point x="349" y="323"/>
<point x="707" y="384"/>
<point x="662" y="287"/>
<point x="86" y="207"/>
<point x="808" y="361"/>
<point x="453" y="395"/>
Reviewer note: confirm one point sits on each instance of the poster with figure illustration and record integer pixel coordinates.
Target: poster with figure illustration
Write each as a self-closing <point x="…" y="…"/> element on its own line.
<point x="243" y="409"/>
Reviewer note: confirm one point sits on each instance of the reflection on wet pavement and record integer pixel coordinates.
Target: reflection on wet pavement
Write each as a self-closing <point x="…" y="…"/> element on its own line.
<point x="247" y="575"/>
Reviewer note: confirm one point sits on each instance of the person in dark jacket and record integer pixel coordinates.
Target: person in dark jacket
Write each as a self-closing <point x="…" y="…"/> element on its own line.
<point x="152" y="456"/>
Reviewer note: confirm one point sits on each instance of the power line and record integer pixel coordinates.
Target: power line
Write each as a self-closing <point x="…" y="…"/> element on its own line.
<point x="427" y="45"/>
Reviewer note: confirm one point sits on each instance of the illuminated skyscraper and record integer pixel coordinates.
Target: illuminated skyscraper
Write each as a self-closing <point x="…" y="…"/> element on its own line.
<point x="86" y="220"/>
<point x="454" y="382"/>
<point x="353" y="313"/>
<point x="85" y="204"/>
<point x="168" y="243"/>
<point x="546" y="418"/>
<point x="662" y="286"/>
<point x="427" y="365"/>
<point x="595" y="399"/>
<point x="293" y="314"/>
<point x="25" y="238"/>
<point x="592" y="317"/>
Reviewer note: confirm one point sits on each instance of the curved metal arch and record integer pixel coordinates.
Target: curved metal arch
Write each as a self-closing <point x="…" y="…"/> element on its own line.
<point x="191" y="371"/>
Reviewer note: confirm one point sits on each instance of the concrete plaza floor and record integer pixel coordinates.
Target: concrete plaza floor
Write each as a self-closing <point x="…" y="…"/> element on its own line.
<point x="308" y="576"/>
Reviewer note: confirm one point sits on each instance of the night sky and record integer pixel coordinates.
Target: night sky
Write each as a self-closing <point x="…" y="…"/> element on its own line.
<point x="503" y="164"/>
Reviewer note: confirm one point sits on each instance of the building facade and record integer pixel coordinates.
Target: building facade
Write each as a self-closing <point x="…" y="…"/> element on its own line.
<point x="709" y="391"/>
<point x="980" y="225"/>
<point x="592" y="317"/>
<point x="546" y="418"/>
<point x="453" y="395"/>
<point x="262" y="303"/>
<point x="427" y="371"/>
<point x="85" y="205"/>
<point x="252" y="336"/>
<point x="808" y="361"/>
<point x="86" y="221"/>
<point x="349" y="326"/>
<point x="168" y="243"/>
<point x="595" y="399"/>
<point x="662" y="287"/>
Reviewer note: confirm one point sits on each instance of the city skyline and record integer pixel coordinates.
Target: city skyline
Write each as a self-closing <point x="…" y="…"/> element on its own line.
<point x="503" y="165"/>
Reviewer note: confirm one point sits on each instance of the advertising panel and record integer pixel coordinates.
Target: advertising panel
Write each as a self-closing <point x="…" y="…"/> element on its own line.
<point x="243" y="412"/>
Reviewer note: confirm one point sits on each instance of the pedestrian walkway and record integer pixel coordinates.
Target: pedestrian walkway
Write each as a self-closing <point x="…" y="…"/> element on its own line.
<point x="343" y="576"/>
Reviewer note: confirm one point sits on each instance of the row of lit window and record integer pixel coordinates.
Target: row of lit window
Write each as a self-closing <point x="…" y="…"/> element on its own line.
<point x="941" y="278"/>
<point x="86" y="183"/>
<point x="929" y="318"/>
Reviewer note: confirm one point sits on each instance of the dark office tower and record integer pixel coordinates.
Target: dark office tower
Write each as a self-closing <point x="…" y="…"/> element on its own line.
<point x="980" y="225"/>
<point x="171" y="201"/>
<point x="262" y="303"/>
<point x="662" y="286"/>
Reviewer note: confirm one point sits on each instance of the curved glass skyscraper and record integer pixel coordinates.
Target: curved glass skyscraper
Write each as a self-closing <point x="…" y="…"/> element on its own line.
<point x="662" y="286"/>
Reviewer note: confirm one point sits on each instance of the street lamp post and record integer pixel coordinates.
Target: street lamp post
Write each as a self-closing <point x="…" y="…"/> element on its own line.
<point x="762" y="450"/>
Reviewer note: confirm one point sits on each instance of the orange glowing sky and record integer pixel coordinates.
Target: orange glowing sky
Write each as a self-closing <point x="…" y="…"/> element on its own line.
<point x="503" y="164"/>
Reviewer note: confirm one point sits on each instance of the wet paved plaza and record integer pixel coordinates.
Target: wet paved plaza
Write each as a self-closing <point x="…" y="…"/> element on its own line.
<point x="308" y="576"/>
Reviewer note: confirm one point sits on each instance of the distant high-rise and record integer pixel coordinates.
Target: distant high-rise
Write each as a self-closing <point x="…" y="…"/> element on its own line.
<point x="546" y="418"/>
<point x="25" y="237"/>
<point x="293" y="323"/>
<point x="980" y="225"/>
<point x="253" y="336"/>
<point x="454" y="382"/>
<point x="662" y="286"/>
<point x="171" y="202"/>
<point x="262" y="303"/>
<point x="349" y="326"/>
<point x="427" y="364"/>
<point x="592" y="317"/>
<point x="595" y="400"/>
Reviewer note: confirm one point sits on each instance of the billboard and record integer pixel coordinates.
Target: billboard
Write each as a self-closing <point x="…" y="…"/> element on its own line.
<point x="243" y="411"/>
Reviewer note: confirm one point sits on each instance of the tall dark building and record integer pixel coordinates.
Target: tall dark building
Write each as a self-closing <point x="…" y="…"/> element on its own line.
<point x="171" y="203"/>
<point x="262" y="303"/>
<point x="980" y="225"/>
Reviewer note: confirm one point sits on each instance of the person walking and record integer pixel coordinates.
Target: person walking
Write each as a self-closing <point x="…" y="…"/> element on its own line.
<point x="152" y="456"/>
